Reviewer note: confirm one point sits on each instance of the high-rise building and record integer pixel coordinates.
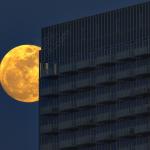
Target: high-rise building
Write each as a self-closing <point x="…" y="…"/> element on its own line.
<point x="95" y="82"/>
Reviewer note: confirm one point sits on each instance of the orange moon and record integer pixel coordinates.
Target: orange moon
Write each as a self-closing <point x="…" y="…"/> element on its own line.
<point x="19" y="73"/>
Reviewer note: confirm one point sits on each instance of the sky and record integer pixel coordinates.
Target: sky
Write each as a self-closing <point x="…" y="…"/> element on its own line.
<point x="21" y="23"/>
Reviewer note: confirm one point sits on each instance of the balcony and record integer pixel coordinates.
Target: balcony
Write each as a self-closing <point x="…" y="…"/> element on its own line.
<point x="105" y="136"/>
<point x="105" y="60"/>
<point x="142" y="70"/>
<point x="47" y="70"/>
<point x="143" y="128"/>
<point x="125" y="113"/>
<point x="128" y="131"/>
<point x="141" y="51"/>
<point x="105" y="98"/>
<point x="126" y="54"/>
<point x="131" y="73"/>
<point x="141" y="90"/>
<point x="48" y="146"/>
<point x="67" y="87"/>
<point x="85" y="121"/>
<point x="126" y="74"/>
<point x="141" y="109"/>
<point x="85" y="101"/>
<point x="121" y="94"/>
<point x="138" y="146"/>
<point x="68" y="124"/>
<point x="49" y="128"/>
<point x="101" y="117"/>
<point x="86" y="140"/>
<point x="85" y="83"/>
<point x="48" y="73"/>
<point x="67" y="143"/>
<point x="48" y="91"/>
<point x="66" y="68"/>
<point x="132" y="92"/>
<point x="85" y="64"/>
<point x="106" y="78"/>
<point x="67" y="106"/>
<point x="48" y="110"/>
<point x="138" y="129"/>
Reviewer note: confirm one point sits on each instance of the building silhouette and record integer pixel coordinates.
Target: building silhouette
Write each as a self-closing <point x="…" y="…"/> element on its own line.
<point x="95" y="82"/>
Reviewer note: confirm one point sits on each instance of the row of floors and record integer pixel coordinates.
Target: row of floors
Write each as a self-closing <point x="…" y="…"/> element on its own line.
<point x="138" y="142"/>
<point x="108" y="121"/>
<point x="91" y="63"/>
<point x="145" y="146"/>
<point x="87" y="83"/>
<point x="127" y="106"/>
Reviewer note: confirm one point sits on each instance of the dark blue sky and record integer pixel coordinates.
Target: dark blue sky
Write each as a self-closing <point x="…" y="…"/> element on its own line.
<point x="21" y="23"/>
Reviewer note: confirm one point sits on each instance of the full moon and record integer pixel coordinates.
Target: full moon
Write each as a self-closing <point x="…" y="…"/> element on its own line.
<point x="19" y="73"/>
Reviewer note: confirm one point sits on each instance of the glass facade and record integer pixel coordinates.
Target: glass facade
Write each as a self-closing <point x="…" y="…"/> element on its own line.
<point x="95" y="82"/>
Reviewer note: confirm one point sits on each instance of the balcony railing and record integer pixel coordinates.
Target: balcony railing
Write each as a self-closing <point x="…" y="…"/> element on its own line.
<point x="68" y="124"/>
<point x="85" y="82"/>
<point x="67" y="143"/>
<point x="106" y="78"/>
<point x="85" y="64"/>
<point x="136" y="110"/>
<point x="128" y="131"/>
<point x="138" y="146"/>
<point x="137" y="129"/>
<point x="67" y="106"/>
<point x="49" y="128"/>
<point x="105" y="97"/>
<point x="48" y="91"/>
<point x="126" y="74"/>
<point x="67" y="68"/>
<point x="126" y="54"/>
<point x="141" y="51"/>
<point x="105" y="60"/>
<point x="47" y="70"/>
<point x="86" y="140"/>
<point x="101" y="117"/>
<point x="48" y="73"/>
<point x="125" y="93"/>
<point x="67" y="87"/>
<point x="105" y="136"/>
<point x="85" y="121"/>
<point x="86" y="101"/>
<point x="49" y="146"/>
<point x="141" y="70"/>
<point x="131" y="73"/>
<point x="48" y="110"/>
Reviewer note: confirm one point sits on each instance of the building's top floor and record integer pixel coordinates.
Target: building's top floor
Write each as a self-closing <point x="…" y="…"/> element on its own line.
<point x="99" y="35"/>
<point x="136" y="6"/>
